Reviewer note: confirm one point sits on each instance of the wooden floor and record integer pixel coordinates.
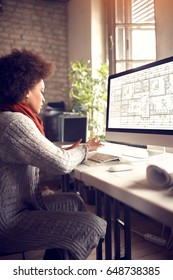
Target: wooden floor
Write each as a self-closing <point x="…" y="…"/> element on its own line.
<point x="141" y="249"/>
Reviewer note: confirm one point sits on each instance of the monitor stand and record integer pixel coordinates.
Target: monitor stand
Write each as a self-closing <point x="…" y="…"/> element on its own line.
<point x="135" y="152"/>
<point x="155" y="150"/>
<point x="144" y="153"/>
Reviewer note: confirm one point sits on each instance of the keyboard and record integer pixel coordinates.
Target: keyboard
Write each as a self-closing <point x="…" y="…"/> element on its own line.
<point x="102" y="158"/>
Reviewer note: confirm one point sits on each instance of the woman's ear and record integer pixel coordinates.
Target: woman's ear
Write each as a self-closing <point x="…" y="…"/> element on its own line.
<point x="26" y="97"/>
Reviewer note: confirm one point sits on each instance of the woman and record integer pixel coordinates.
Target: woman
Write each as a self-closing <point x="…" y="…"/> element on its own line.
<point x="27" y="221"/>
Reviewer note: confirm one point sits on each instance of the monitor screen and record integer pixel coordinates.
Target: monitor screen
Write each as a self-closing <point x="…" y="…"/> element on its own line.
<point x="140" y="105"/>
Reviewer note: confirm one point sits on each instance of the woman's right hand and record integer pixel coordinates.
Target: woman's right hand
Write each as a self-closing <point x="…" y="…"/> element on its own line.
<point x="93" y="144"/>
<point x="74" y="145"/>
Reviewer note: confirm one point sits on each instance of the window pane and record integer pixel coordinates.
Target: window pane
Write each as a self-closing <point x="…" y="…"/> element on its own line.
<point x="143" y="44"/>
<point x="135" y="43"/>
<point x="120" y="43"/>
<point x="120" y="66"/>
<point x="125" y="65"/>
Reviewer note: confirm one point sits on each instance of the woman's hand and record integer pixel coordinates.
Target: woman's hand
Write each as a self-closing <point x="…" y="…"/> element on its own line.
<point x="74" y="145"/>
<point x="93" y="144"/>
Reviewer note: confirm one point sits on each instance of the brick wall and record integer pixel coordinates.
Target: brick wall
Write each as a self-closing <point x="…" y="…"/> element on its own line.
<point x="39" y="25"/>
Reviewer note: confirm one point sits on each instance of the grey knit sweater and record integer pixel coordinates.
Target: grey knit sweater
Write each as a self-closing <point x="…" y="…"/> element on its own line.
<point x="27" y="220"/>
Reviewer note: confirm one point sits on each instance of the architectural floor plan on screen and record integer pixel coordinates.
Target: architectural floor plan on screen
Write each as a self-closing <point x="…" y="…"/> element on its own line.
<point x="143" y="98"/>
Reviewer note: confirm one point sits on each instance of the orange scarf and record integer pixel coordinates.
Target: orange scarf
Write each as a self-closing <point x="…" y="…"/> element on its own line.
<point x="26" y="110"/>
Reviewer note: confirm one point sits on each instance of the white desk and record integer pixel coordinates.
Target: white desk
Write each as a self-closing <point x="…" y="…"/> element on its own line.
<point x="131" y="187"/>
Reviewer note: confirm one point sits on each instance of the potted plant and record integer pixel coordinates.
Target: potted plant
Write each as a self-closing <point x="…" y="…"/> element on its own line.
<point x="88" y="93"/>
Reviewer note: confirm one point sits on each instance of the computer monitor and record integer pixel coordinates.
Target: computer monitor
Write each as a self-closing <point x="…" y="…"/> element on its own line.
<point x="140" y="105"/>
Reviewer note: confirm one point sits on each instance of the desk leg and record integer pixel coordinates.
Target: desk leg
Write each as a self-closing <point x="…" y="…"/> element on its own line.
<point x="98" y="195"/>
<point x="108" y="237"/>
<point x="127" y="232"/>
<point x="118" y="224"/>
<point x="117" y="240"/>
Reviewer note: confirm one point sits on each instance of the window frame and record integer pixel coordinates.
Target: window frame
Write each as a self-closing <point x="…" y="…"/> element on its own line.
<point x="112" y="26"/>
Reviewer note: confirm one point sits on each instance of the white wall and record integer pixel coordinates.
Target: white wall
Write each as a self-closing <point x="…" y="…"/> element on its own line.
<point x="98" y="40"/>
<point x="86" y="30"/>
<point x="79" y="29"/>
<point x="164" y="28"/>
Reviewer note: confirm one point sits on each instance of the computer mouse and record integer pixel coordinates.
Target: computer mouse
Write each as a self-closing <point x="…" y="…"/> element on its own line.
<point x="120" y="167"/>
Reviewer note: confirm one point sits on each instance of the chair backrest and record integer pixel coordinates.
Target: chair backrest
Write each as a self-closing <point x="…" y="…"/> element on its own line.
<point x="52" y="110"/>
<point x="59" y="106"/>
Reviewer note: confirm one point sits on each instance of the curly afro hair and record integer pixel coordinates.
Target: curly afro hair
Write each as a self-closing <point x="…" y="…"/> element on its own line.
<point x="20" y="71"/>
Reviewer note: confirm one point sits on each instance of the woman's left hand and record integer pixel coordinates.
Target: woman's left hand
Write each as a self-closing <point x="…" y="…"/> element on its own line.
<point x="93" y="144"/>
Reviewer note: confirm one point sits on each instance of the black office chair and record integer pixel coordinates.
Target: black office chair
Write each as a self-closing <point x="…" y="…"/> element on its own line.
<point x="52" y="111"/>
<point x="59" y="106"/>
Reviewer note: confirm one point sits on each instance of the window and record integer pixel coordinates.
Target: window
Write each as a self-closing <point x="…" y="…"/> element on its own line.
<point x="131" y="31"/>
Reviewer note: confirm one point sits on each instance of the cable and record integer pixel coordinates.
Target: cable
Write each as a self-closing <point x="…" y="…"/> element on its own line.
<point x="152" y="237"/>
<point x="137" y="232"/>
